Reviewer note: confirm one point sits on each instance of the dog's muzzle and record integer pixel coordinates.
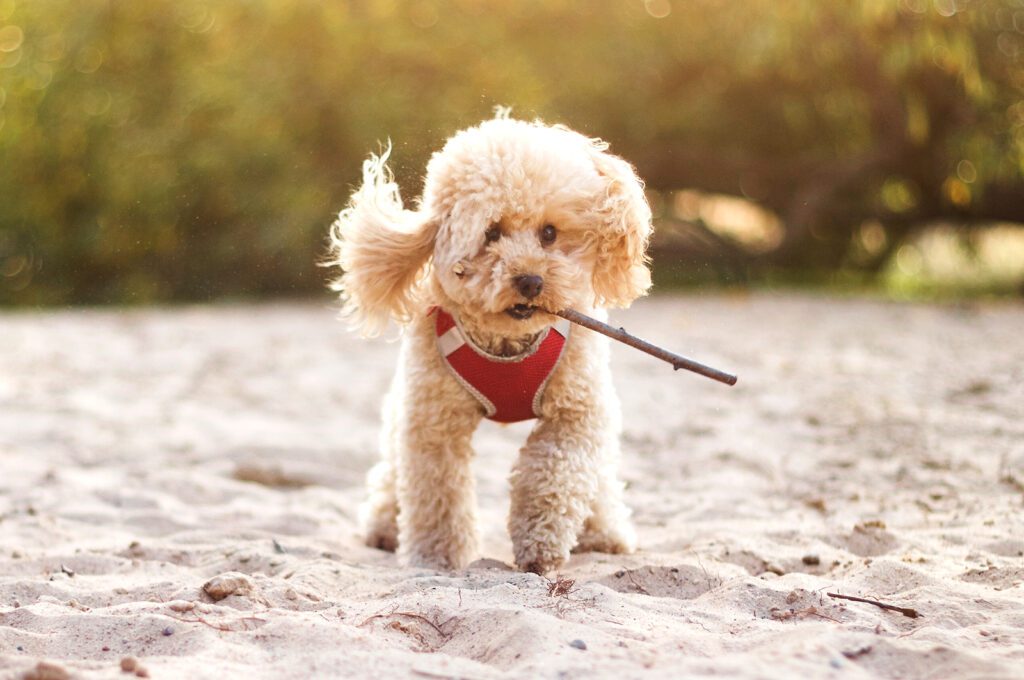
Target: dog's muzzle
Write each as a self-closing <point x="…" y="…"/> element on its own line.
<point x="529" y="286"/>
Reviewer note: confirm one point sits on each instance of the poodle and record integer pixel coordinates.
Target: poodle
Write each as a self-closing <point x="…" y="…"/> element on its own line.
<point x="517" y="219"/>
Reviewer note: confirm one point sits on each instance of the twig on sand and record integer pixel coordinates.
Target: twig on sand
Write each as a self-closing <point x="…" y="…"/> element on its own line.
<point x="622" y="336"/>
<point x="223" y="627"/>
<point x="446" y="676"/>
<point x="560" y="590"/>
<point x="412" y="615"/>
<point x="415" y="631"/>
<point x="787" y="614"/>
<point x="639" y="588"/>
<point x="906" y="611"/>
<point x="561" y="587"/>
<point x="1006" y="475"/>
<point x="707" y="576"/>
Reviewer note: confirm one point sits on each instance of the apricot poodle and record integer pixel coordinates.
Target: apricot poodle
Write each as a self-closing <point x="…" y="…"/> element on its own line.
<point x="517" y="219"/>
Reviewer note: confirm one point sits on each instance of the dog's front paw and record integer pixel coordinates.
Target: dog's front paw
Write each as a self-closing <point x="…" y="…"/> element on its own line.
<point x="433" y="560"/>
<point x="540" y="558"/>
<point x="616" y="540"/>
<point x="421" y="561"/>
<point x="440" y="551"/>
<point x="382" y="538"/>
<point x="379" y="527"/>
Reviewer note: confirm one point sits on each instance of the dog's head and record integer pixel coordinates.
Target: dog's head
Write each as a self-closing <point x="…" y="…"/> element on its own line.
<point x="515" y="217"/>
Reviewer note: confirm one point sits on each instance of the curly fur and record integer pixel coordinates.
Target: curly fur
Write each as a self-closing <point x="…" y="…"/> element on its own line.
<point x="382" y="248"/>
<point x="517" y="177"/>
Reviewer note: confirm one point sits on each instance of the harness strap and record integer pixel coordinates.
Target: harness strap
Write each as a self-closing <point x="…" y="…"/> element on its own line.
<point x="510" y="389"/>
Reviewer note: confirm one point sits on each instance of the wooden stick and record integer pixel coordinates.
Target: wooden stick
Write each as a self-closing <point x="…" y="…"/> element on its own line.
<point x="906" y="611"/>
<point x="622" y="336"/>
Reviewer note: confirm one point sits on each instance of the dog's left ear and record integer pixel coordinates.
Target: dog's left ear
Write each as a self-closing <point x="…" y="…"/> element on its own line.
<point x="621" y="273"/>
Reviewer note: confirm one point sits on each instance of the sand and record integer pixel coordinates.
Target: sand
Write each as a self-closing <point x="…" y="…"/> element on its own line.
<point x="178" y="489"/>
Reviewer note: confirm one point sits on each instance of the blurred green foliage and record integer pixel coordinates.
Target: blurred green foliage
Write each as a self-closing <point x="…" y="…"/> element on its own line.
<point x="191" y="149"/>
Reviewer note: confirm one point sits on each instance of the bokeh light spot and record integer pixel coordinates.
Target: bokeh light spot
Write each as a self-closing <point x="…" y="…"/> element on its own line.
<point x="946" y="8"/>
<point x="39" y="77"/>
<point x="908" y="260"/>
<point x="423" y="14"/>
<point x="10" y="59"/>
<point x="89" y="60"/>
<point x="196" y="18"/>
<point x="872" y="237"/>
<point x="97" y="102"/>
<point x="13" y="266"/>
<point x="898" y="195"/>
<point x="958" y="193"/>
<point x="1008" y="44"/>
<point x="739" y="220"/>
<point x="10" y="38"/>
<point x="53" y="48"/>
<point x="659" y="9"/>
<point x="966" y="171"/>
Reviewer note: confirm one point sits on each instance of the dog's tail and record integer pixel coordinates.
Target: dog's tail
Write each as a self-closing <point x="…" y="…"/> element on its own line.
<point x="382" y="249"/>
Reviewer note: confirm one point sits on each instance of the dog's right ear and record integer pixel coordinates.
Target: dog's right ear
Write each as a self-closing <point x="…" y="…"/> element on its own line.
<point x="382" y="249"/>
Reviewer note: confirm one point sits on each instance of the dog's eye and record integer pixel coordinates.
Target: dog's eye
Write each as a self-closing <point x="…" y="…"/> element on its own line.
<point x="548" y="234"/>
<point x="492" y="234"/>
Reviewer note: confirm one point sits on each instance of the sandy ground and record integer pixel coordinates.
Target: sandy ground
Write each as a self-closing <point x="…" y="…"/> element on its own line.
<point x="870" y="449"/>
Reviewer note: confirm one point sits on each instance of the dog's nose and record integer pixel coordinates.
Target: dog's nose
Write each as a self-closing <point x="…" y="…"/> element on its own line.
<point x="529" y="285"/>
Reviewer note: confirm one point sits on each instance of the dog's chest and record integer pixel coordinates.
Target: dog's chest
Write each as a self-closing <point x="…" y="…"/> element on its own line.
<point x="510" y="389"/>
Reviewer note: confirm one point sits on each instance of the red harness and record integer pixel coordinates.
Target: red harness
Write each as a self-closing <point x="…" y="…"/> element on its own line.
<point x="509" y="388"/>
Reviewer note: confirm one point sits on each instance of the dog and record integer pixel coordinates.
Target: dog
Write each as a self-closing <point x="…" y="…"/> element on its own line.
<point x="517" y="220"/>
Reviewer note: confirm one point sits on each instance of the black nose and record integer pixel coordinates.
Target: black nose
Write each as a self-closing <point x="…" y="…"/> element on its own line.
<point x="529" y="285"/>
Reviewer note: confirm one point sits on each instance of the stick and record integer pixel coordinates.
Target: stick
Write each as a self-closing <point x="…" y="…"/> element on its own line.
<point x="622" y="336"/>
<point x="906" y="611"/>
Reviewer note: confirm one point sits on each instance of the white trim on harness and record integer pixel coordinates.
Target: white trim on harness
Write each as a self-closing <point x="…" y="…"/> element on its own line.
<point x="561" y="327"/>
<point x="450" y="341"/>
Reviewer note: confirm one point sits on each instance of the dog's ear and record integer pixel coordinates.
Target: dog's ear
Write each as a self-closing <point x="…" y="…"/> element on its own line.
<point x="382" y="249"/>
<point x="621" y="273"/>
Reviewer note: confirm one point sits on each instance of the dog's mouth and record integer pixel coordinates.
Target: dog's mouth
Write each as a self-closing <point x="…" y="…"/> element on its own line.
<point x="521" y="311"/>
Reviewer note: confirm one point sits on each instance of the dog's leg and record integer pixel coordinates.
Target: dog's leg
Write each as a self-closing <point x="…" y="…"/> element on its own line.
<point x="378" y="515"/>
<point x="609" y="528"/>
<point x="436" y="490"/>
<point x="554" y="484"/>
